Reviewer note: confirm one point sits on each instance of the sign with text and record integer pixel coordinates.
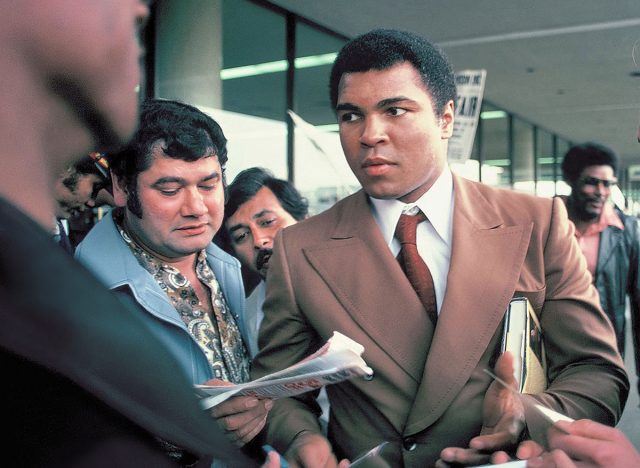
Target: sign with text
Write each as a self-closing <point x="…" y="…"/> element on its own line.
<point x="470" y="86"/>
<point x="634" y="172"/>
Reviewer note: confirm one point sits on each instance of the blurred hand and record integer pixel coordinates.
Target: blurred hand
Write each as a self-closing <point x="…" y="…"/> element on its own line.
<point x="272" y="461"/>
<point x="242" y="417"/>
<point x="502" y="423"/>
<point x="586" y="443"/>
<point x="311" y="450"/>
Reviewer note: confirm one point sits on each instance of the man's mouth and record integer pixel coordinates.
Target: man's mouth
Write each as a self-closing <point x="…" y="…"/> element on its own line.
<point x="595" y="201"/>
<point x="194" y="230"/>
<point x="263" y="259"/>
<point x="376" y="166"/>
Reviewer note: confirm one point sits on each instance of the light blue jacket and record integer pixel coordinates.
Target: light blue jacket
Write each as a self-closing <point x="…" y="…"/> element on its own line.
<point x="106" y="254"/>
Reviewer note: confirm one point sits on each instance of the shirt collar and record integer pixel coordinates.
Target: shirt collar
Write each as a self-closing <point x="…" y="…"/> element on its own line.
<point x="608" y="217"/>
<point x="436" y="204"/>
<point x="611" y="218"/>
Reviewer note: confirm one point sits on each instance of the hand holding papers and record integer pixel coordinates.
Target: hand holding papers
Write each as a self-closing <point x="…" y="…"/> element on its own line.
<point x="339" y="359"/>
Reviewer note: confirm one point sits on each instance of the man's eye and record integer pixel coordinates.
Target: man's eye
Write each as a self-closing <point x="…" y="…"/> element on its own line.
<point x="207" y="188"/>
<point x="169" y="193"/>
<point x="349" y="117"/>
<point x="238" y="239"/>
<point x="395" y="111"/>
<point x="267" y="222"/>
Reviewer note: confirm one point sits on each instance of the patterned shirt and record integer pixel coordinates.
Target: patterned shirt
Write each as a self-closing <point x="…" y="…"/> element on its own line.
<point x="217" y="333"/>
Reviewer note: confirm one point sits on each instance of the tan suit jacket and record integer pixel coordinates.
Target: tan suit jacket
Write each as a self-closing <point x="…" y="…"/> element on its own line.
<point x="335" y="272"/>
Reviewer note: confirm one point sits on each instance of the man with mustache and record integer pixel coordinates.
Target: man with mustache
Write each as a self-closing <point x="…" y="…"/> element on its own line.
<point x="155" y="248"/>
<point x="609" y="239"/>
<point x="258" y="207"/>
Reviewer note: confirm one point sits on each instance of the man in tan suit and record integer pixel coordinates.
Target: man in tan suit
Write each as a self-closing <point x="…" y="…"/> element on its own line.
<point x="430" y="398"/>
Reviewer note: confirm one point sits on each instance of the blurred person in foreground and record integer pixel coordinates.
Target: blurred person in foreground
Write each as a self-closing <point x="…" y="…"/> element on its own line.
<point x="86" y="383"/>
<point x="430" y="398"/>
<point x="586" y="443"/>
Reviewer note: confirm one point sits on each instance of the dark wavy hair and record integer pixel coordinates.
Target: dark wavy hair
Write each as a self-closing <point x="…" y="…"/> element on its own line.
<point x="84" y="166"/>
<point x="245" y="186"/>
<point x="383" y="48"/>
<point x="583" y="155"/>
<point x="186" y="133"/>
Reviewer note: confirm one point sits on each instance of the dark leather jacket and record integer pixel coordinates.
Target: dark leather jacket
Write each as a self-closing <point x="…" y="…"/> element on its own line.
<point x="617" y="276"/>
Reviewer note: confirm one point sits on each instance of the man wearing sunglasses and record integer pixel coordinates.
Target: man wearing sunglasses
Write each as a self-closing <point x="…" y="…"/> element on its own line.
<point x="609" y="239"/>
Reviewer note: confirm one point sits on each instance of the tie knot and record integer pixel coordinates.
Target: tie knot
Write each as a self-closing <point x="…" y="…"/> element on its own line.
<point x="406" y="228"/>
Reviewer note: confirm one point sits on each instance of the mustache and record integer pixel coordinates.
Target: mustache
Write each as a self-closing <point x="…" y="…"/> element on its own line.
<point x="263" y="257"/>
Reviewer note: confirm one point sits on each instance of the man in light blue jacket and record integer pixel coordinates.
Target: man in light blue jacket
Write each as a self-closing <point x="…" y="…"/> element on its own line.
<point x="156" y="248"/>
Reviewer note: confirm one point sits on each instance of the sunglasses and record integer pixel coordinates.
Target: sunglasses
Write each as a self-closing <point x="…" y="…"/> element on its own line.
<point x="594" y="181"/>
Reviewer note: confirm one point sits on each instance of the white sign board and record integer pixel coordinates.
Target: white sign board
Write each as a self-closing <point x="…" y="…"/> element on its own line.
<point x="634" y="172"/>
<point x="470" y="86"/>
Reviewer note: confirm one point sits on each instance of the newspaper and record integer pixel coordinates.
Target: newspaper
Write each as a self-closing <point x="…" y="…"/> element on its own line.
<point x="339" y="359"/>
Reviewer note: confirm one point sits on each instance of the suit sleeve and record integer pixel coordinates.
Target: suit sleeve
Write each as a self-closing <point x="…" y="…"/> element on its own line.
<point x="284" y="323"/>
<point x="586" y="373"/>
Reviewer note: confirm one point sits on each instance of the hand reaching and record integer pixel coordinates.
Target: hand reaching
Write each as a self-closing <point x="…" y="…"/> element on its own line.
<point x="586" y="443"/>
<point x="502" y="422"/>
<point x="311" y="450"/>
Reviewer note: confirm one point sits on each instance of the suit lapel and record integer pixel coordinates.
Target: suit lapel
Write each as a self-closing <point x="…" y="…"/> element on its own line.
<point x="609" y="239"/>
<point x="485" y="265"/>
<point x="372" y="287"/>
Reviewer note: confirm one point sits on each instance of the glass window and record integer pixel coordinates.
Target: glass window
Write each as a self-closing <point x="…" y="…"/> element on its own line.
<point x="562" y="146"/>
<point x="253" y="78"/>
<point x="315" y="53"/>
<point x="321" y="171"/>
<point x="253" y="87"/>
<point x="496" y="166"/>
<point x="523" y="161"/>
<point x="545" y="160"/>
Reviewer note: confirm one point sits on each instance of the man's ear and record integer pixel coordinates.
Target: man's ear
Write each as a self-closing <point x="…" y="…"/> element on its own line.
<point x="446" y="121"/>
<point x="119" y="191"/>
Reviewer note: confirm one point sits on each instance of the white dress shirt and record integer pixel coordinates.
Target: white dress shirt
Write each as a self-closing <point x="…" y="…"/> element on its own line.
<point x="254" y="315"/>
<point x="433" y="236"/>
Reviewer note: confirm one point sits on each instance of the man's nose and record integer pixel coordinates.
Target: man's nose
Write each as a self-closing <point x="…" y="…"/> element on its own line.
<point x="262" y="239"/>
<point x="602" y="189"/>
<point x="373" y="131"/>
<point x="194" y="204"/>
